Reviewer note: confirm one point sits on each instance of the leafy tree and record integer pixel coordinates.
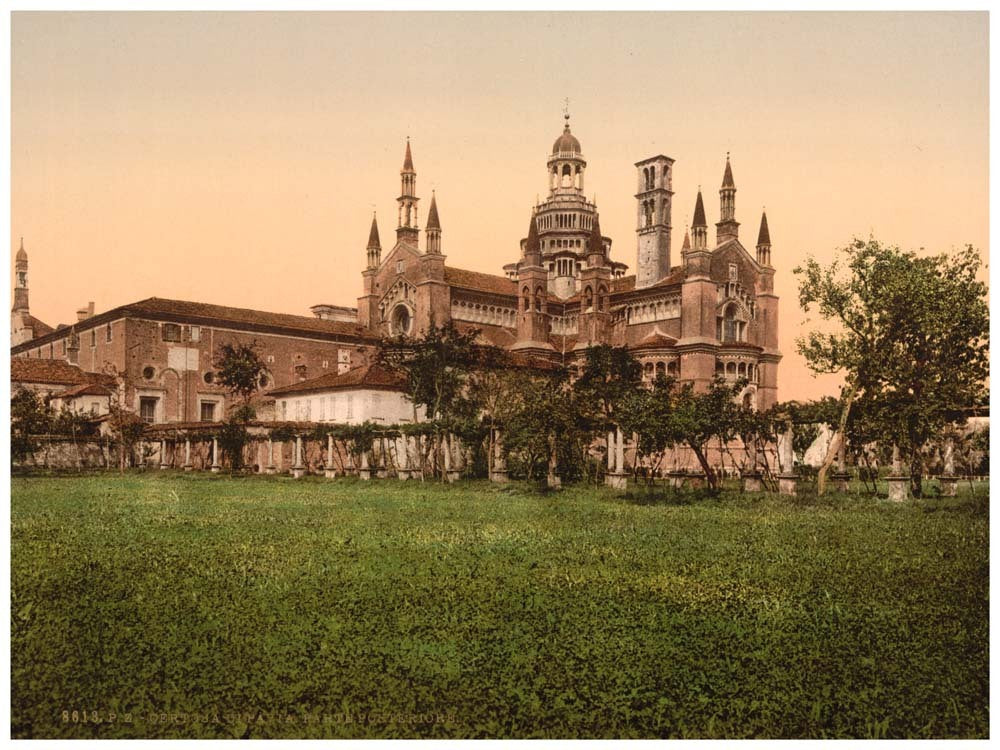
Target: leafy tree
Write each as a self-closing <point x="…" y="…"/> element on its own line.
<point x="911" y="337"/>
<point x="541" y="421"/>
<point x="240" y="368"/>
<point x="695" y="418"/>
<point x="29" y="417"/>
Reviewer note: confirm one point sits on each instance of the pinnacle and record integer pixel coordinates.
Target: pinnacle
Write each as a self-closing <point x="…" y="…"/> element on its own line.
<point x="432" y="215"/>
<point x="699" y="213"/>
<point x="764" y="236"/>
<point x="373" y="239"/>
<point x="408" y="159"/>
<point x="727" y="177"/>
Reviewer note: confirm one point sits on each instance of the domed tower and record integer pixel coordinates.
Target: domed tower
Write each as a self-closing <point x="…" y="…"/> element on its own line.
<point x="565" y="220"/>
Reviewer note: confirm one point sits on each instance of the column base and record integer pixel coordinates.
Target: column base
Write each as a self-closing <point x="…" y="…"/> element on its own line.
<point x="500" y="476"/>
<point x="899" y="489"/>
<point x="788" y="483"/>
<point x="188" y="467"/>
<point x="452" y="476"/>
<point x="841" y="480"/>
<point x="949" y="485"/>
<point x="617" y="480"/>
<point x="381" y="473"/>
<point x="403" y="474"/>
<point x="270" y="470"/>
<point x="298" y="472"/>
<point x="164" y="466"/>
<point x="365" y="474"/>
<point x="752" y="482"/>
<point x="216" y="469"/>
<point x="330" y="473"/>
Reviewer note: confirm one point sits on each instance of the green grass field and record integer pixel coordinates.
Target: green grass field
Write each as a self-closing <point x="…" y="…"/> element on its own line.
<point x="196" y="606"/>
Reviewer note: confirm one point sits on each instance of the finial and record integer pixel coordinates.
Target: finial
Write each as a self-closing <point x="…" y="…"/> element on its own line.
<point x="22" y="243"/>
<point x="727" y="156"/>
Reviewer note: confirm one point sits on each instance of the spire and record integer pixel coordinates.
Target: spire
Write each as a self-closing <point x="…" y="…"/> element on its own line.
<point x="374" y="249"/>
<point x="373" y="239"/>
<point x="21" y="254"/>
<point x="699" y="213"/>
<point x="727" y="177"/>
<point x="532" y="247"/>
<point x="764" y="242"/>
<point x="763" y="236"/>
<point x="433" y="229"/>
<point x="432" y="215"/>
<point x="408" y="159"/>
<point x="687" y="241"/>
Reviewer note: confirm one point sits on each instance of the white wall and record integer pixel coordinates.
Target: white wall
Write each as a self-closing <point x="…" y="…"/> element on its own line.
<point x="347" y="407"/>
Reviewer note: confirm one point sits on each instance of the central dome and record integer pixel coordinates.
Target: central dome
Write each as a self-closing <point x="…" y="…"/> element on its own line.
<point x="567" y="142"/>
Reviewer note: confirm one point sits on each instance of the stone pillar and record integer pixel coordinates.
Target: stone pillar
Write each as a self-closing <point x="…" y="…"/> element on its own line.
<point x="751" y="477"/>
<point x="163" y="455"/>
<point x="451" y="469"/>
<point x="552" y="479"/>
<point x="216" y="466"/>
<point x="788" y="479"/>
<point x="414" y="444"/>
<point x="298" y="468"/>
<point x="899" y="484"/>
<point x="364" y="472"/>
<point x="187" y="454"/>
<point x="616" y="477"/>
<point x="499" y="472"/>
<point x="402" y="458"/>
<point x="380" y="459"/>
<point x="948" y="480"/>
<point x="270" y="469"/>
<point x="331" y="468"/>
<point x="842" y="479"/>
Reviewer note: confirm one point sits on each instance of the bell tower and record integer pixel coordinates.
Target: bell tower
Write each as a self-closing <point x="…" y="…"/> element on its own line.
<point x="653" y="219"/>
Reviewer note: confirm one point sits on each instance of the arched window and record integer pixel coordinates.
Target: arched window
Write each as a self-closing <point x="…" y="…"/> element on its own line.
<point x="661" y="369"/>
<point x="729" y="329"/>
<point x="651" y="179"/>
<point x="538" y="298"/>
<point x="648" y="370"/>
<point x="671" y="368"/>
<point x="567" y="176"/>
<point x="588" y="298"/>
<point x="731" y="368"/>
<point x="742" y="370"/>
<point x="602" y="296"/>
<point x="720" y="369"/>
<point x="527" y="300"/>
<point x="748" y="401"/>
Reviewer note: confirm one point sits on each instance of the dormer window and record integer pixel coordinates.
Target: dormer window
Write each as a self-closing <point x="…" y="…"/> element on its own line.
<point x="734" y="274"/>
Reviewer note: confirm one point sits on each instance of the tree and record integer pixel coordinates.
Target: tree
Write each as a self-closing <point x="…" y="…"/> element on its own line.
<point x="29" y="417"/>
<point x="240" y="369"/>
<point x="911" y="337"/>
<point x="540" y="421"/>
<point x="125" y="425"/>
<point x="695" y="418"/>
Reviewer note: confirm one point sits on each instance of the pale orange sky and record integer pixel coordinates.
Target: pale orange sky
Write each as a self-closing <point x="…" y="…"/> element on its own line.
<point x="235" y="158"/>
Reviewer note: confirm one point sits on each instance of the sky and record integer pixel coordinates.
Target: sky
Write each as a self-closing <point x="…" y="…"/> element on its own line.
<point x="236" y="158"/>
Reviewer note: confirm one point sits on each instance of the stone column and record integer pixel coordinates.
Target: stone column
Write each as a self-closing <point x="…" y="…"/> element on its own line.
<point x="402" y="458"/>
<point x="187" y="454"/>
<point x="899" y="484"/>
<point x="751" y="479"/>
<point x="842" y="479"/>
<point x="616" y="477"/>
<point x="948" y="480"/>
<point x="788" y="479"/>
<point x="414" y="445"/>
<point x="364" y="472"/>
<point x="552" y="479"/>
<point x="331" y="468"/>
<point x="380" y="459"/>
<point x="270" y="469"/>
<point x="451" y="469"/>
<point x="163" y="455"/>
<point x="298" y="468"/>
<point x="216" y="466"/>
<point x="499" y="473"/>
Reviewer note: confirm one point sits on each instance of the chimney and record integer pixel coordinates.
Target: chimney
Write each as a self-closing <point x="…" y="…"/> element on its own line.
<point x="85" y="312"/>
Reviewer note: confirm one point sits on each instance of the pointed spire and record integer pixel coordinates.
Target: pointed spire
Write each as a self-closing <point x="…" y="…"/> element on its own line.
<point x="687" y="241"/>
<point x="373" y="239"/>
<point x="699" y="213"/>
<point x="532" y="247"/>
<point x="22" y="255"/>
<point x="727" y="178"/>
<point x="432" y="215"/>
<point x="764" y="236"/>
<point x="408" y="159"/>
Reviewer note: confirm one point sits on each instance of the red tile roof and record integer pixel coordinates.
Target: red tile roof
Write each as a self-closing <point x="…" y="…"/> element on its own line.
<point x="627" y="283"/>
<point x="655" y="340"/>
<point x="87" y="389"/>
<point x="54" y="371"/>
<point x="372" y="376"/>
<point x="39" y="328"/>
<point x="480" y="282"/>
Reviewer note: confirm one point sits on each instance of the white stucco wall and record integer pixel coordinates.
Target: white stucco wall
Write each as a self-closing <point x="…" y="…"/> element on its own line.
<point x="346" y="407"/>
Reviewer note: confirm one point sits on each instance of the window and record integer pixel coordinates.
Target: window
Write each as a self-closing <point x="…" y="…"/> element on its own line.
<point x="270" y="359"/>
<point x="400" y="265"/>
<point x="284" y="410"/>
<point x="148" y="372"/>
<point x="147" y="409"/>
<point x="207" y="411"/>
<point x="196" y="333"/>
<point x="326" y="364"/>
<point x="107" y="332"/>
<point x="263" y="380"/>
<point x="63" y="346"/>
<point x="171" y="332"/>
<point x="93" y="337"/>
<point x="209" y="377"/>
<point x="734" y="273"/>
<point x="95" y="407"/>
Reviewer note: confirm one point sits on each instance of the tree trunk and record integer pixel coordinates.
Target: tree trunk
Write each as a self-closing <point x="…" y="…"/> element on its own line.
<point x="706" y="467"/>
<point x="835" y="442"/>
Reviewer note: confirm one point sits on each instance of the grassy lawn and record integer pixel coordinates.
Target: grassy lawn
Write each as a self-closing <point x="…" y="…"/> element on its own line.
<point x="197" y="606"/>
